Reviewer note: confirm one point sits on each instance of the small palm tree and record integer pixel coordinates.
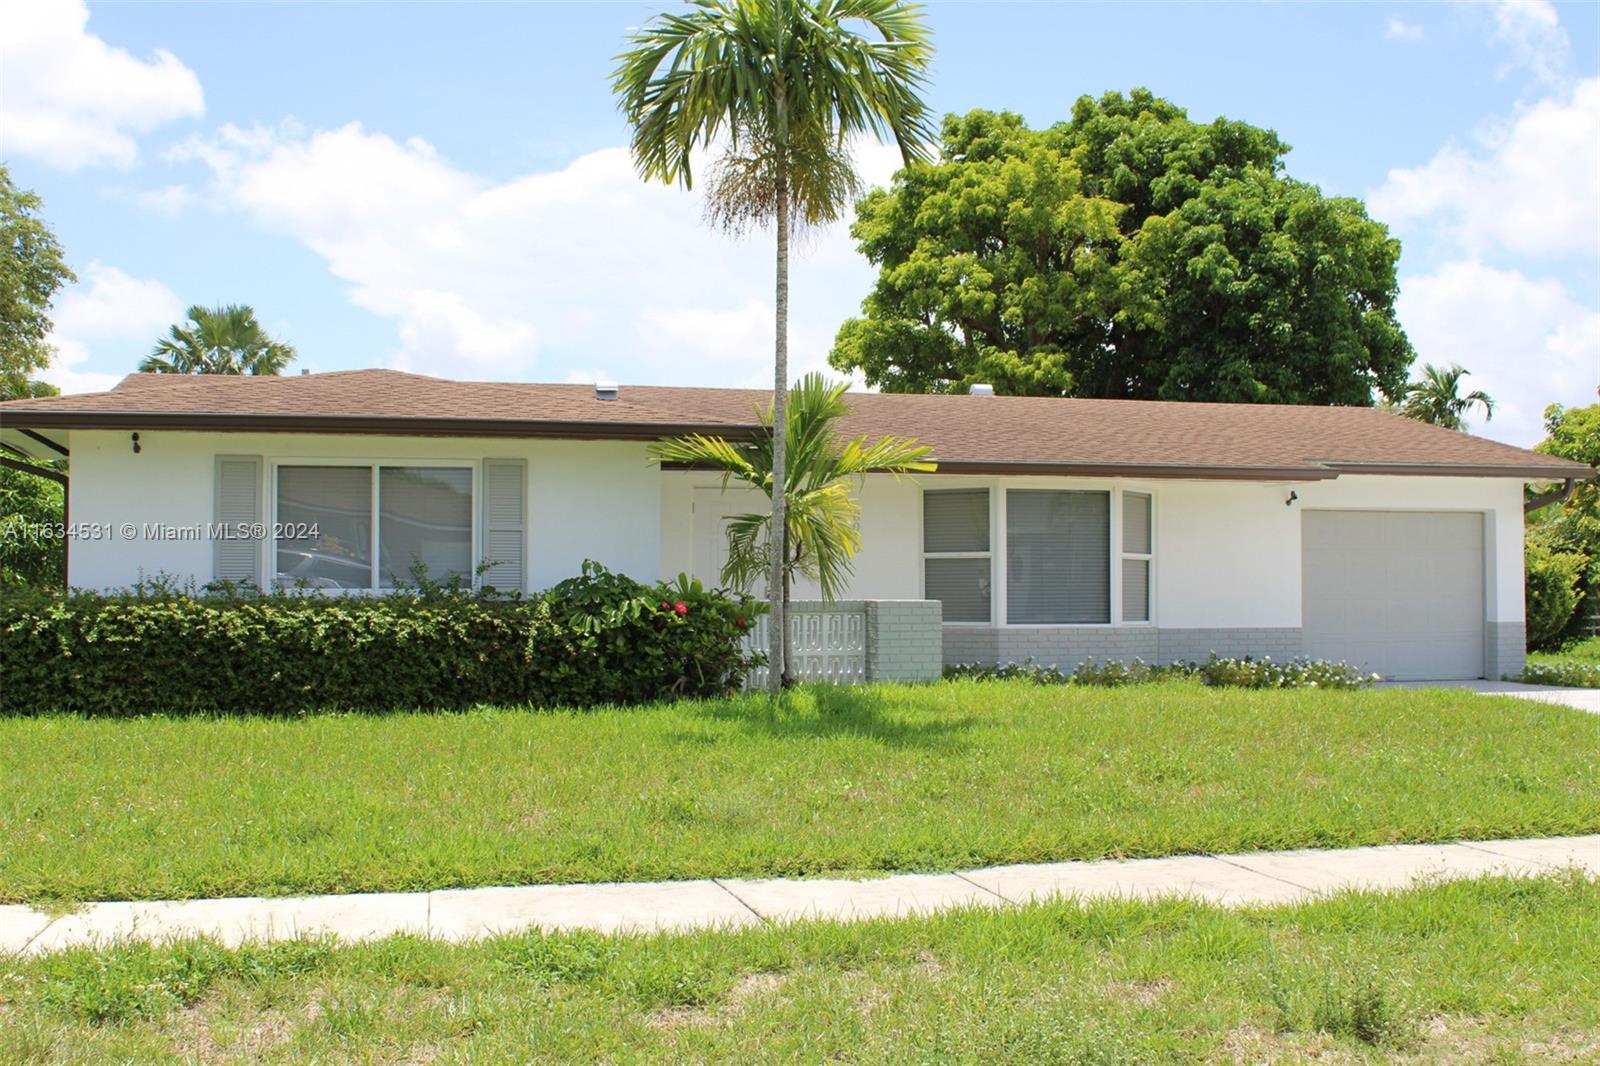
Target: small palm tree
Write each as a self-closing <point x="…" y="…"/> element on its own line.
<point x="785" y="84"/>
<point x="218" y="340"/>
<point x="1437" y="398"/>
<point x="821" y="535"/>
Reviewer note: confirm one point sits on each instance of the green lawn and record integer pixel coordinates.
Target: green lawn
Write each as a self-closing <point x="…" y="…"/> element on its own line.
<point x="1492" y="971"/>
<point x="937" y="777"/>
<point x="1583" y="651"/>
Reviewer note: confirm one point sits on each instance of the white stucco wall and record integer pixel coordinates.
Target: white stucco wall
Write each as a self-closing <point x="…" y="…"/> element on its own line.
<point x="1226" y="554"/>
<point x="586" y="499"/>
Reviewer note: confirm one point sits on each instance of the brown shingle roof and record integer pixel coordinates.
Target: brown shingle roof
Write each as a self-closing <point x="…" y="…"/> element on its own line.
<point x="967" y="433"/>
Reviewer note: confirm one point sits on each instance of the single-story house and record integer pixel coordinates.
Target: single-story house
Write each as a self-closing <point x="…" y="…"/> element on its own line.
<point x="1054" y="529"/>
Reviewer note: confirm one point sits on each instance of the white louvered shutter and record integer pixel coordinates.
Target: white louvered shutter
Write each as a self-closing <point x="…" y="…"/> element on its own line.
<point x="237" y="542"/>
<point x="505" y="523"/>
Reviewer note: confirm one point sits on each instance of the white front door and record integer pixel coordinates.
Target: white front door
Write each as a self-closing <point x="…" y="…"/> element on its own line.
<point x="712" y="507"/>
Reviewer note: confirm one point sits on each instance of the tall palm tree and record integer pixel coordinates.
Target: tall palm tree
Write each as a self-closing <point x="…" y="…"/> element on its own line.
<point x="218" y="340"/>
<point x="821" y="535"/>
<point x="1437" y="399"/>
<point x="785" y="85"/>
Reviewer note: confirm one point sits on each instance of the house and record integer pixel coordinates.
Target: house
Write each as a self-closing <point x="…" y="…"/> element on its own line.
<point x="1054" y="529"/>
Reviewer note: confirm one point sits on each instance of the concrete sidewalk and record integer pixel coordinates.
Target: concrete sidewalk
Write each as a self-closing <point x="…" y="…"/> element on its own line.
<point x="467" y="914"/>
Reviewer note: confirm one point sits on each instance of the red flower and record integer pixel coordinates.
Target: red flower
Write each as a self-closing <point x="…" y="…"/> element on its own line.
<point x="739" y="622"/>
<point x="681" y="608"/>
<point x="665" y="605"/>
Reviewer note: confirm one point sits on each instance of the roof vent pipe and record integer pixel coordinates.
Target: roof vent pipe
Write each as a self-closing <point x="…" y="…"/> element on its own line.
<point x="605" y="390"/>
<point x="980" y="389"/>
<point x="304" y="371"/>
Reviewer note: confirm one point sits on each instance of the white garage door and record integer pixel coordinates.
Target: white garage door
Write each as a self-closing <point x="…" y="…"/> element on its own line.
<point x="1399" y="593"/>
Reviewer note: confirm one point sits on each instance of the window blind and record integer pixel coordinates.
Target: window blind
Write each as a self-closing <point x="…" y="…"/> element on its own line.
<point x="1058" y="547"/>
<point x="955" y="521"/>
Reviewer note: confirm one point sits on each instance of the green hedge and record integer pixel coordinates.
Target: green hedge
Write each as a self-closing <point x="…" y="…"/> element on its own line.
<point x="597" y="638"/>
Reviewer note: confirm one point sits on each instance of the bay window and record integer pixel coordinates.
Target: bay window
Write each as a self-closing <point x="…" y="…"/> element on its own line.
<point x="369" y="526"/>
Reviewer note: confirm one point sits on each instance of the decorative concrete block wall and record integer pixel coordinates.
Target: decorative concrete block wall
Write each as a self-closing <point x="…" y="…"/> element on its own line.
<point x="905" y="640"/>
<point x="851" y="641"/>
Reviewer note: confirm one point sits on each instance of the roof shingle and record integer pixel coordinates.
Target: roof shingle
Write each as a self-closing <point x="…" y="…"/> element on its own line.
<point x="966" y="433"/>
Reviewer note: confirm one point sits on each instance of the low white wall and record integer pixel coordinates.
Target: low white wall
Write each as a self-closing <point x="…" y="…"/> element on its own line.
<point x="586" y="499"/>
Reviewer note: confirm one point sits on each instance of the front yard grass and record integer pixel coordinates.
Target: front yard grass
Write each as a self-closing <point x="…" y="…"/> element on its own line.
<point x="937" y="777"/>
<point x="1585" y="651"/>
<point x="1496" y="970"/>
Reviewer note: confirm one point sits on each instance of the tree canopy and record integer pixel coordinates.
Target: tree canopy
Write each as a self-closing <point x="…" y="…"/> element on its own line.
<point x="1129" y="252"/>
<point x="218" y="340"/>
<point x="32" y="268"/>
<point x="1436" y="398"/>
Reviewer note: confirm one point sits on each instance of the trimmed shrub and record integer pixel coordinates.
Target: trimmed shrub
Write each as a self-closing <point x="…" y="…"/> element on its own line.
<point x="1229" y="673"/>
<point x="1551" y="588"/>
<point x="599" y="638"/>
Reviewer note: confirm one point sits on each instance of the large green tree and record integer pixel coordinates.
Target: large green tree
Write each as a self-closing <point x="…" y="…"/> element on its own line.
<point x="1128" y="252"/>
<point x="785" y="85"/>
<point x="1572" y="527"/>
<point x="218" y="340"/>
<point x="32" y="268"/>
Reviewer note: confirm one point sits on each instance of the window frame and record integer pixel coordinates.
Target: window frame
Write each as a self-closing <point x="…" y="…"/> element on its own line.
<point x="997" y="488"/>
<point x="374" y="465"/>
<point x="1149" y="559"/>
<point x="996" y="596"/>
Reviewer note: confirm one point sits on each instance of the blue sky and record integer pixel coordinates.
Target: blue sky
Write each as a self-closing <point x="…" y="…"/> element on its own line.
<point x="443" y="187"/>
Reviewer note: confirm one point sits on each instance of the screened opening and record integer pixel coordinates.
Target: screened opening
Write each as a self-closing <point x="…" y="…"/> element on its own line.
<point x="425" y="520"/>
<point x="328" y="509"/>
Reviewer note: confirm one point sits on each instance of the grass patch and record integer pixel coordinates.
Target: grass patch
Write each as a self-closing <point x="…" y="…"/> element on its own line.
<point x="1576" y="665"/>
<point x="1495" y="970"/>
<point x="1587" y="651"/>
<point x="944" y="776"/>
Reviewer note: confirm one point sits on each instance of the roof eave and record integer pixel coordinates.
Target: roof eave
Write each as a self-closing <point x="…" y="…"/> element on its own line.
<point x="369" y="426"/>
<point x="1559" y="469"/>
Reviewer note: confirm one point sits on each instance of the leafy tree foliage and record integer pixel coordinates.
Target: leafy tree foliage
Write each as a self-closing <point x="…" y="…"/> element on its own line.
<point x="31" y="270"/>
<point x="218" y="340"/>
<point x="1436" y="398"/>
<point x="1572" y="528"/>
<point x="1128" y="252"/>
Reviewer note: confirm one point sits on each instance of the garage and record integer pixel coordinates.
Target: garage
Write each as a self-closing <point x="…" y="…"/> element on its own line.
<point x="1399" y="593"/>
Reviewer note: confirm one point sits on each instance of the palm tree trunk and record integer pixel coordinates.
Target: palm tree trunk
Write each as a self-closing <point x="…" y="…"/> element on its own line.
<point x="777" y="539"/>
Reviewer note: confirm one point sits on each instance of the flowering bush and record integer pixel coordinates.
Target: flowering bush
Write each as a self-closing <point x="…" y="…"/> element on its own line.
<point x="1568" y="672"/>
<point x="1232" y="673"/>
<point x="598" y="638"/>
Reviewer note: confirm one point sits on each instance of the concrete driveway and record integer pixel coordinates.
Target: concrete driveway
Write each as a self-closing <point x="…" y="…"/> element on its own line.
<point x="1584" y="699"/>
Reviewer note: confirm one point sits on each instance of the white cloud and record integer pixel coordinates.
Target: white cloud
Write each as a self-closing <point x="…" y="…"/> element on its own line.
<point x="107" y="309"/>
<point x="1527" y="342"/>
<point x="73" y="100"/>
<point x="1531" y="31"/>
<point x="549" y="274"/>
<point x="1398" y="29"/>
<point x="1530" y="187"/>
